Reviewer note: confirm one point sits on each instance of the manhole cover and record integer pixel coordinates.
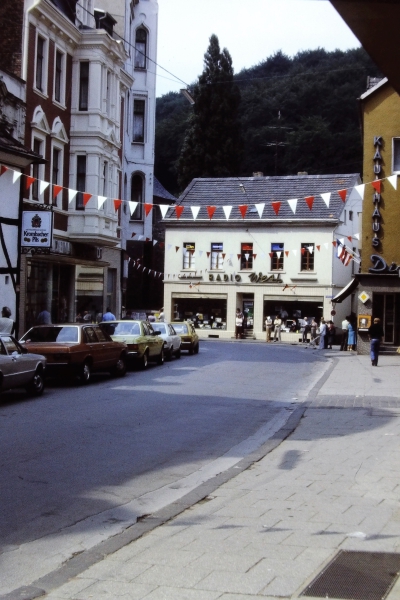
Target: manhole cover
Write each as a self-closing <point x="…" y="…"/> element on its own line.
<point x="356" y="576"/>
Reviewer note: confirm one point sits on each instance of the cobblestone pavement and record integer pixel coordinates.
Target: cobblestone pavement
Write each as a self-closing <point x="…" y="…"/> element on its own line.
<point x="328" y="482"/>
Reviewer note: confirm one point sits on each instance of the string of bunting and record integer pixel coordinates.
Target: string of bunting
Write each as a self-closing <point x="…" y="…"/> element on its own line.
<point x="179" y="210"/>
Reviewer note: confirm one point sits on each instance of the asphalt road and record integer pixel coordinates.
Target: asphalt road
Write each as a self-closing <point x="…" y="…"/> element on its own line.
<point x="81" y="464"/>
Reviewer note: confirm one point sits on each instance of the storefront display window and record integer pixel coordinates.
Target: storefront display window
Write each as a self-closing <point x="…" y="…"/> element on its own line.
<point x="206" y="313"/>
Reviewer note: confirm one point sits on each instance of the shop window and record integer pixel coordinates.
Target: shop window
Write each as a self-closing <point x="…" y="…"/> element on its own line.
<point x="217" y="261"/>
<point x="189" y="261"/>
<point x="138" y="120"/>
<point x="140" y="48"/>
<point x="277" y="255"/>
<point x="137" y="196"/>
<point x="396" y="155"/>
<point x="307" y="257"/>
<point x="84" y="86"/>
<point x="246" y="256"/>
<point x="80" y="180"/>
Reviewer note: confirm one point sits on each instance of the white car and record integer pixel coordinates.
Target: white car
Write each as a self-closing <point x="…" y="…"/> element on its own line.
<point x="172" y="341"/>
<point x="19" y="368"/>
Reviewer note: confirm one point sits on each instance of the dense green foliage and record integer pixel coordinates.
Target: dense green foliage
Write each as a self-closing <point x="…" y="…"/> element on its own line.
<point x="296" y="114"/>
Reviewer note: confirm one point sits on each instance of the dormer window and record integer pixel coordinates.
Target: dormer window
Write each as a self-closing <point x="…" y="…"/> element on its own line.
<point x="140" y="48"/>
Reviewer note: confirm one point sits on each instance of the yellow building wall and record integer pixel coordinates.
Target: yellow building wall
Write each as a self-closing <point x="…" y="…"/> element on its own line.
<point x="381" y="117"/>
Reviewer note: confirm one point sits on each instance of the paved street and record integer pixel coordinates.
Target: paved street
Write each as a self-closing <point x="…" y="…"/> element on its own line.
<point x="83" y="464"/>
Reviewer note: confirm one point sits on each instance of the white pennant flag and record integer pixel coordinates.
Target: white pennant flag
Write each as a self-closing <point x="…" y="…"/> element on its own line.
<point x="356" y="235"/>
<point x="294" y="252"/>
<point x="164" y="209"/>
<point x="132" y="206"/>
<point x="155" y="242"/>
<point x="201" y="252"/>
<point x="260" y="208"/>
<point x="43" y="185"/>
<point x="247" y="256"/>
<point x="310" y="249"/>
<point x="293" y="205"/>
<point x="195" y="211"/>
<point x="16" y="176"/>
<point x="71" y="195"/>
<point x="393" y="180"/>
<point x="326" y="198"/>
<point x="227" y="211"/>
<point x="326" y="245"/>
<point x="278" y="254"/>
<point x="341" y="240"/>
<point x="169" y="246"/>
<point x="141" y="237"/>
<point x="360" y="190"/>
<point x="100" y="201"/>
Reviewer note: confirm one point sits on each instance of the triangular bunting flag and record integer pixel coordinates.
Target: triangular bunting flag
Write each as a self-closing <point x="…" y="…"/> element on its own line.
<point x="303" y="251"/>
<point x="271" y="254"/>
<point x="393" y="181"/>
<point x="260" y="208"/>
<point x="208" y="254"/>
<point x="169" y="246"/>
<point x="349" y="238"/>
<point x="287" y="252"/>
<point x="132" y="206"/>
<point x="356" y="236"/>
<point x="318" y="248"/>
<point x="279" y="254"/>
<point x="3" y="169"/>
<point x="56" y="190"/>
<point x="43" y="185"/>
<point x="377" y="185"/>
<point x="16" y="175"/>
<point x="326" y="244"/>
<point x="243" y="209"/>
<point x="239" y="256"/>
<point x="117" y="203"/>
<point x="148" y="208"/>
<point x="326" y="198"/>
<point x="176" y="248"/>
<point x="293" y="205"/>
<point x="294" y="252"/>
<point x="227" y="210"/>
<point x="360" y="189"/>
<point x="71" y="195"/>
<point x="195" y="211"/>
<point x="276" y="206"/>
<point x="133" y="234"/>
<point x="100" y="201"/>
<point x="154" y="242"/>
<point x="341" y="240"/>
<point x="334" y="243"/>
<point x="254" y="256"/>
<point x="309" y="201"/>
<point x="163" y="209"/>
<point x="29" y="181"/>
<point x="342" y="194"/>
<point x="211" y="210"/>
<point x="179" y="211"/>
<point x="86" y="198"/>
<point x="310" y="249"/>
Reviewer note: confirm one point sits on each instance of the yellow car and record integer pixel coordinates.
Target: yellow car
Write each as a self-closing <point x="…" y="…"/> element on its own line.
<point x="144" y="343"/>
<point x="188" y="335"/>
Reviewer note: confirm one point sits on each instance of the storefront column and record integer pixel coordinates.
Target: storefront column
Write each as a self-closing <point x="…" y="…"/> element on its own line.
<point x="258" y="312"/>
<point x="231" y="311"/>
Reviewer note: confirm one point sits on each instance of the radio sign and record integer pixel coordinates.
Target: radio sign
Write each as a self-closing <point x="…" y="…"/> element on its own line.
<point x="37" y="229"/>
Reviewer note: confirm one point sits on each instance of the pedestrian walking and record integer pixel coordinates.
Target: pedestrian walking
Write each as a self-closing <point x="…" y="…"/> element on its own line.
<point x="331" y="332"/>
<point x="345" y="333"/>
<point x="268" y="328"/>
<point x="44" y="317"/>
<point x="376" y="335"/>
<point x="313" y="329"/>
<point x="108" y="315"/>
<point x="305" y="329"/>
<point x="277" y="328"/>
<point x="7" y="325"/>
<point x="322" y="334"/>
<point x="239" y="324"/>
<point x="351" y="336"/>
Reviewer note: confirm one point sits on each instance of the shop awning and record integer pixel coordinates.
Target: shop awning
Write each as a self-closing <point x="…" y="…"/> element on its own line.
<point x="346" y="291"/>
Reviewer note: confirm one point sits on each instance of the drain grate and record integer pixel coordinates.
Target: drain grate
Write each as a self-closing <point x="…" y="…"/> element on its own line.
<point x="356" y="576"/>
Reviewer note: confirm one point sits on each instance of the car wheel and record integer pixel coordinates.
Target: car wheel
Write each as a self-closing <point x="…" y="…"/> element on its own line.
<point x="160" y="358"/>
<point x="144" y="361"/>
<point x="36" y="386"/>
<point x="120" y="368"/>
<point x="85" y="373"/>
<point x="178" y="353"/>
<point x="196" y="349"/>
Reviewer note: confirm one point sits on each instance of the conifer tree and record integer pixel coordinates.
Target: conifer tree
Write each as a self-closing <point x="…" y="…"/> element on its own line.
<point x="212" y="145"/>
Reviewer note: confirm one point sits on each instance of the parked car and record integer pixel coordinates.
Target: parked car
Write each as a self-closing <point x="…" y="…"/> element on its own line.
<point x="20" y="368"/>
<point x="172" y="341"/>
<point x="188" y="335"/>
<point x="143" y="342"/>
<point x="77" y="349"/>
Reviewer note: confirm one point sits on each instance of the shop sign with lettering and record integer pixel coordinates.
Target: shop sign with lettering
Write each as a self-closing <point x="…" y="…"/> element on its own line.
<point x="224" y="277"/>
<point x="380" y="266"/>
<point x="260" y="278"/>
<point x="37" y="229"/>
<point x="376" y="199"/>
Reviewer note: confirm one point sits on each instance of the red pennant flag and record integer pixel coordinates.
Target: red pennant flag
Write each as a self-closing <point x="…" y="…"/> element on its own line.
<point x="86" y="198"/>
<point x="271" y="254"/>
<point x="318" y="248"/>
<point x="176" y="248"/>
<point x="117" y="204"/>
<point x="334" y="243"/>
<point x="3" y="169"/>
<point x="349" y="238"/>
<point x="223" y="255"/>
<point x="147" y="209"/>
<point x="133" y="234"/>
<point x="303" y="251"/>
<point x="310" y="201"/>
<point x="211" y="210"/>
<point x="147" y="240"/>
<point x="161" y="244"/>
<point x="243" y="209"/>
<point x="276" y="206"/>
<point x="56" y="190"/>
<point x="29" y="181"/>
<point x="342" y="194"/>
<point x="208" y="254"/>
<point x="239" y="255"/>
<point x="377" y="185"/>
<point x="287" y="252"/>
<point x="178" y="211"/>
<point x="254" y="256"/>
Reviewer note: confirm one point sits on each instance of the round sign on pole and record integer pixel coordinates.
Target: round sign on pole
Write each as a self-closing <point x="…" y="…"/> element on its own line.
<point x="333" y="313"/>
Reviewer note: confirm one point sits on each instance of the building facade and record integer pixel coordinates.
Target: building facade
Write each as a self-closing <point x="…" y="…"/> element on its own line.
<point x="265" y="245"/>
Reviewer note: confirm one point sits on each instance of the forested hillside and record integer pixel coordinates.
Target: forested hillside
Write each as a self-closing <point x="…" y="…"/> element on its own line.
<point x="297" y="114"/>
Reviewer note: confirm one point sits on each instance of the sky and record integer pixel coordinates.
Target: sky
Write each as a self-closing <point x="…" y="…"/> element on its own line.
<point x="251" y="30"/>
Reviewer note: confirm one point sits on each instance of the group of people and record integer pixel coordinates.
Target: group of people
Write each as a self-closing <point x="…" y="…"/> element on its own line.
<point x="274" y="326"/>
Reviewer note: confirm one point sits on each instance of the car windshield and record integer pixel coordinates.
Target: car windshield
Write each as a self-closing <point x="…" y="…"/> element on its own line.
<point x="126" y="328"/>
<point x="160" y="327"/>
<point x="181" y="328"/>
<point x="52" y="334"/>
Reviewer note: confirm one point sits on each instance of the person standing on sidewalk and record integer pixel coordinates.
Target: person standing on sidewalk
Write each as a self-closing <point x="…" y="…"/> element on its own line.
<point x="322" y="334"/>
<point x="268" y="328"/>
<point x="277" y="328"/>
<point x="351" y="337"/>
<point x="376" y="335"/>
<point x="239" y="324"/>
<point x="7" y="325"/>
<point x="345" y="333"/>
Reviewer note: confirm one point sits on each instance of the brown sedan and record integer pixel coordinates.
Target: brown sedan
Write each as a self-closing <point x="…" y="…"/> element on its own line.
<point x="77" y="348"/>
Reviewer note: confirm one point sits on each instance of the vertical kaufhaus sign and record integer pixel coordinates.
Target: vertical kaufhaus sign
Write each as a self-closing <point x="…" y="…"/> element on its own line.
<point x="37" y="229"/>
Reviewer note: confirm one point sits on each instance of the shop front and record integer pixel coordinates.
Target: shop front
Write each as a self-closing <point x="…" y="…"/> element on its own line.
<point x="295" y="308"/>
<point x="207" y="311"/>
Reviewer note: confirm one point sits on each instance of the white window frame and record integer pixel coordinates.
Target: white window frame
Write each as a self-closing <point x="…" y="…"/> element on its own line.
<point x="61" y="101"/>
<point x="139" y="208"/>
<point x="45" y="66"/>
<point x="217" y="261"/>
<point x="136" y="66"/>
<point x="60" y="147"/>
<point x="189" y="258"/>
<point x="144" y="100"/>
<point x="394" y="140"/>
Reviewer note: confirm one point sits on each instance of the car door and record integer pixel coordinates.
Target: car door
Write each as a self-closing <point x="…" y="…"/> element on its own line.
<point x="110" y="350"/>
<point x="95" y="349"/>
<point x="151" y="340"/>
<point x="17" y="367"/>
<point x="176" y="340"/>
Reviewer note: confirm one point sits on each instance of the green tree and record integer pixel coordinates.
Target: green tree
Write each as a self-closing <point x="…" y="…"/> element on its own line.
<point x="212" y="144"/>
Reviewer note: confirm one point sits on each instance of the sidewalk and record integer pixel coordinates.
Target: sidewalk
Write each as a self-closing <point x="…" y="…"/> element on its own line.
<point x="332" y="484"/>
